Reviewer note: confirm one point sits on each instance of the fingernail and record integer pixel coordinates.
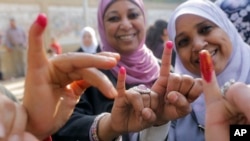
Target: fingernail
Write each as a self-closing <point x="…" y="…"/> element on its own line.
<point x="169" y="44"/>
<point x="41" y="20"/>
<point x="206" y="65"/>
<point x="122" y="70"/>
<point x="2" y="131"/>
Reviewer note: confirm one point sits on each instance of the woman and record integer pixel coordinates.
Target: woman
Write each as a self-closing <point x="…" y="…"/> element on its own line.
<point x="208" y="29"/>
<point x="89" y="42"/>
<point x="121" y="26"/>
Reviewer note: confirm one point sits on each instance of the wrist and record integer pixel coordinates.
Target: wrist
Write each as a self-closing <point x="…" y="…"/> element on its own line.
<point x="105" y="130"/>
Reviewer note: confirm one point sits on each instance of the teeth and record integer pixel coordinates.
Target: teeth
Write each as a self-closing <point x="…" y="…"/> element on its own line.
<point x="127" y="37"/>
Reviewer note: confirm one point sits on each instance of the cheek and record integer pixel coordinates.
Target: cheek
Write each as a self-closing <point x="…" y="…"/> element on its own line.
<point x="184" y="55"/>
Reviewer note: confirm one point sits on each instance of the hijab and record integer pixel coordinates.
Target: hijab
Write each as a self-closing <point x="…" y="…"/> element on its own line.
<point x="238" y="67"/>
<point x="93" y="47"/>
<point x="141" y="65"/>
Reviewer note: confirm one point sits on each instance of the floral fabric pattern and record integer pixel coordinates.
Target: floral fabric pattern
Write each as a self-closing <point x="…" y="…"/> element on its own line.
<point x="238" y="12"/>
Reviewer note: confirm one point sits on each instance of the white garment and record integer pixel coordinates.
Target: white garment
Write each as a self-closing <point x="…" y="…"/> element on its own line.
<point x="153" y="133"/>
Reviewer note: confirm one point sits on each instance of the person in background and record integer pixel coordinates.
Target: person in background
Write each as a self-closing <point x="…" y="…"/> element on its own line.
<point x="89" y="43"/>
<point x="1" y="39"/>
<point x="238" y="13"/>
<point x="122" y="29"/>
<point x="16" y="44"/>
<point x="55" y="46"/>
<point x="156" y="37"/>
<point x="1" y="56"/>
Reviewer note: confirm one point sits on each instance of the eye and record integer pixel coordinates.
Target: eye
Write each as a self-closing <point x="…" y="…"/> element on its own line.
<point x="182" y="43"/>
<point x="205" y="29"/>
<point x="133" y="15"/>
<point x="113" y="19"/>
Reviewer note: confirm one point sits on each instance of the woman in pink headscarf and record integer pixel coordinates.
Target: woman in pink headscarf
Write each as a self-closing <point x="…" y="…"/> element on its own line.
<point x="122" y="29"/>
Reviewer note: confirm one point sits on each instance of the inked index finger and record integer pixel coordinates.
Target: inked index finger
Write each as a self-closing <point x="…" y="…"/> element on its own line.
<point x="210" y="86"/>
<point x="120" y="86"/>
<point x="166" y="59"/>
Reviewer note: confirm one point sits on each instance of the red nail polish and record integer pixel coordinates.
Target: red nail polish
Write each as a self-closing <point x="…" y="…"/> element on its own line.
<point x="206" y="65"/>
<point x="169" y="44"/>
<point x="41" y="20"/>
<point x="122" y="70"/>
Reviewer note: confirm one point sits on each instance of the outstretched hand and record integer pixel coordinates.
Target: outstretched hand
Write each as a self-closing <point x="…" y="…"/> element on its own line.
<point x="222" y="109"/>
<point x="53" y="87"/>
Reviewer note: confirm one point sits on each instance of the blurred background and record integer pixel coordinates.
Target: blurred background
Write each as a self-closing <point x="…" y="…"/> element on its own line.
<point x="66" y="18"/>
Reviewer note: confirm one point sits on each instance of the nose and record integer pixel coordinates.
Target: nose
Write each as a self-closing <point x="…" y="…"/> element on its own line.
<point x="199" y="43"/>
<point x="125" y="24"/>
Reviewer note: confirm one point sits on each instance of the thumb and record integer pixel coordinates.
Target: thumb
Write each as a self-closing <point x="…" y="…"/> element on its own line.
<point x="210" y="85"/>
<point x="36" y="53"/>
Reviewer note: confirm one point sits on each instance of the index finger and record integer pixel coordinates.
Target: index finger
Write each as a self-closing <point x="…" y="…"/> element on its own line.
<point x="120" y="86"/>
<point x="210" y="85"/>
<point x="161" y="83"/>
<point x="166" y="59"/>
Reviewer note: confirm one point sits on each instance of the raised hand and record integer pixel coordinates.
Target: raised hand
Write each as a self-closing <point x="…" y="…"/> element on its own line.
<point x="175" y="92"/>
<point x="130" y="112"/>
<point x="222" y="109"/>
<point x="53" y="87"/>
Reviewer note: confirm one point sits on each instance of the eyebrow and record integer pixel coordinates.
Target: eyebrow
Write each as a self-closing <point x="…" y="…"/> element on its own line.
<point x="115" y="12"/>
<point x="196" y="26"/>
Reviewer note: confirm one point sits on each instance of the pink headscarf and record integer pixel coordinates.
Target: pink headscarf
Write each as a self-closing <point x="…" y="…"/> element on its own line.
<point x="142" y="67"/>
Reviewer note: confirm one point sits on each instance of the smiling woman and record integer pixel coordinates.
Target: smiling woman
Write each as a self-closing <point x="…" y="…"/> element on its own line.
<point x="122" y="29"/>
<point x="200" y="34"/>
<point x="208" y="29"/>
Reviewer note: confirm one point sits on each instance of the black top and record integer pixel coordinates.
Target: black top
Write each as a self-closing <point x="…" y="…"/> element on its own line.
<point x="98" y="49"/>
<point x="91" y="104"/>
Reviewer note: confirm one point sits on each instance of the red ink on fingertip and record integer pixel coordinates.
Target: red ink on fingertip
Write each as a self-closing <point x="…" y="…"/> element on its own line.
<point x="122" y="70"/>
<point x="169" y="44"/>
<point x="41" y="20"/>
<point x="206" y="65"/>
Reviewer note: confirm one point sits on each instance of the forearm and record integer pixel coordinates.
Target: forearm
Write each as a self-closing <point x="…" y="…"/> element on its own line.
<point x="105" y="131"/>
<point x="77" y="128"/>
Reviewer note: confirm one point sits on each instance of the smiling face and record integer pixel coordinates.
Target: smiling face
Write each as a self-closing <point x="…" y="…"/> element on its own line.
<point x="199" y="34"/>
<point x="124" y="26"/>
